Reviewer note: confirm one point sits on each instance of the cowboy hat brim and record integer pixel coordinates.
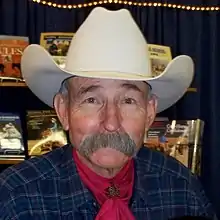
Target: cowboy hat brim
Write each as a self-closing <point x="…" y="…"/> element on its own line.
<point x="44" y="77"/>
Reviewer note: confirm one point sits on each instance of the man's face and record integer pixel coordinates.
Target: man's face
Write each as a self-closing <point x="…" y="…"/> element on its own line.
<point x="112" y="111"/>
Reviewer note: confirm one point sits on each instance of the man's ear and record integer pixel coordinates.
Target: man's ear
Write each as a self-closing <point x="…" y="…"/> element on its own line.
<point x="151" y="111"/>
<point x="61" y="108"/>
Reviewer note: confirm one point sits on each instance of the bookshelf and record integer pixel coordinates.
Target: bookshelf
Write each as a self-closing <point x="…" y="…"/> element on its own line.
<point x="22" y="84"/>
<point x="17" y="98"/>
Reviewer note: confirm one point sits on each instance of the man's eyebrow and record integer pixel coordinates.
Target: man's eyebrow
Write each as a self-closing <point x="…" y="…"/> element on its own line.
<point x="130" y="86"/>
<point x="84" y="90"/>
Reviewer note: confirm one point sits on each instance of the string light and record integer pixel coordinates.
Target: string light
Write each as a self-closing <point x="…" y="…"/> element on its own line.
<point x="140" y="4"/>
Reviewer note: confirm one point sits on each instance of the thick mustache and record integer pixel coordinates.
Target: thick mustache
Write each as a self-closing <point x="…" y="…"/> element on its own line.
<point x="118" y="141"/>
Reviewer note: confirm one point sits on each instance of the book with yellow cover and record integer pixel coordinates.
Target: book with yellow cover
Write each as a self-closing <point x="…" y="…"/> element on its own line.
<point x="57" y="44"/>
<point x="45" y="132"/>
<point x="160" y="56"/>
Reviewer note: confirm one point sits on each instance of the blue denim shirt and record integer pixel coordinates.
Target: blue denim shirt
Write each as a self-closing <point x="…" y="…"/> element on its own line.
<point x="49" y="188"/>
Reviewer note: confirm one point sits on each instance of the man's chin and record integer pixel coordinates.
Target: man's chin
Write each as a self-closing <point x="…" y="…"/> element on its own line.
<point x="108" y="158"/>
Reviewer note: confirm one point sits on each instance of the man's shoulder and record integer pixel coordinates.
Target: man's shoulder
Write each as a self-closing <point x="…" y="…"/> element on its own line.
<point x="153" y="161"/>
<point x="34" y="169"/>
<point x="171" y="178"/>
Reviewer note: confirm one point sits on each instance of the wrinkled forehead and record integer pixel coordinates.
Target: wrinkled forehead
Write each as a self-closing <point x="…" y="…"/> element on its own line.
<point x="79" y="83"/>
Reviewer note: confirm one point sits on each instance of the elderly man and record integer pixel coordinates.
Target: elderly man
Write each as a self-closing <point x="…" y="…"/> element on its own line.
<point x="105" y="97"/>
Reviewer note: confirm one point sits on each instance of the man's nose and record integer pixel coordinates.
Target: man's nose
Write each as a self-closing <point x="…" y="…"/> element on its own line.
<point x="111" y="118"/>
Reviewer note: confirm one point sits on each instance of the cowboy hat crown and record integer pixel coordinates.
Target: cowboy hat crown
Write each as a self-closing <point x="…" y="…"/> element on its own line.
<point x="109" y="42"/>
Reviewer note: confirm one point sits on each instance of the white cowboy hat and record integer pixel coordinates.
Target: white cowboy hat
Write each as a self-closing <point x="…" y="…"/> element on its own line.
<point x="108" y="44"/>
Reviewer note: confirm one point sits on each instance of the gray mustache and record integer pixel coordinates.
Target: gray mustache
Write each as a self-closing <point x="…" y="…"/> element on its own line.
<point x="118" y="141"/>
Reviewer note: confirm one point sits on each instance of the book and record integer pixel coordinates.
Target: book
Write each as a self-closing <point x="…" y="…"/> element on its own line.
<point x="11" y="50"/>
<point x="160" y="56"/>
<point x="157" y="122"/>
<point x="11" y="139"/>
<point x="57" y="44"/>
<point x="181" y="139"/>
<point x="45" y="132"/>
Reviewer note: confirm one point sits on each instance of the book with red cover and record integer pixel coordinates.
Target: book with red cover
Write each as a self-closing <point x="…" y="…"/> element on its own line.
<point x="11" y="49"/>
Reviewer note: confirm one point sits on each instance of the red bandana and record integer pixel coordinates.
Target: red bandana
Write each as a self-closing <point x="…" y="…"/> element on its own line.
<point x="114" y="194"/>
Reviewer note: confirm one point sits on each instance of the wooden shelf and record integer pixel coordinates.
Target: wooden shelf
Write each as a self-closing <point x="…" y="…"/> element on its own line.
<point x="11" y="160"/>
<point x="192" y="90"/>
<point x="13" y="84"/>
<point x="22" y="84"/>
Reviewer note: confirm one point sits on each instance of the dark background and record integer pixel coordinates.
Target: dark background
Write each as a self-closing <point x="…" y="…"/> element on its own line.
<point x="190" y="32"/>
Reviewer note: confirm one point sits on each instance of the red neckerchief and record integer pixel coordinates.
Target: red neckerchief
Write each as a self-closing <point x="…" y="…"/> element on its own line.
<point x="114" y="194"/>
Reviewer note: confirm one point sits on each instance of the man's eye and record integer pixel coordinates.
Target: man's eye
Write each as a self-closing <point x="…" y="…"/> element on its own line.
<point x="91" y="100"/>
<point x="129" y="101"/>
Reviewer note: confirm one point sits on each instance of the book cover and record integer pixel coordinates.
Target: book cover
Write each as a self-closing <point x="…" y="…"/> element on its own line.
<point x="160" y="56"/>
<point x="159" y="123"/>
<point x="181" y="139"/>
<point x="45" y="132"/>
<point x="11" y="50"/>
<point x="11" y="139"/>
<point x="57" y="44"/>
